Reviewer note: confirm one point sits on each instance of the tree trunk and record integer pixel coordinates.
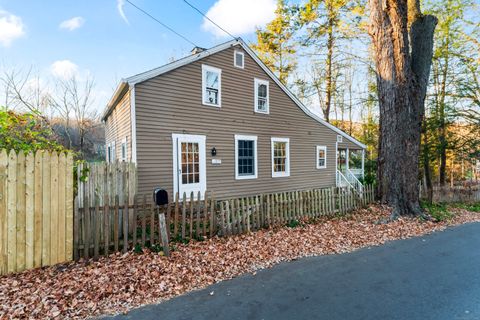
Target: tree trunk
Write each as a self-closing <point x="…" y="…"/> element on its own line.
<point x="426" y="165"/>
<point x="403" y="61"/>
<point x="329" y="62"/>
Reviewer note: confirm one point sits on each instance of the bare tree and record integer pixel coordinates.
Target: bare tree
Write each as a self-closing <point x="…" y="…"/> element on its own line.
<point x="23" y="91"/>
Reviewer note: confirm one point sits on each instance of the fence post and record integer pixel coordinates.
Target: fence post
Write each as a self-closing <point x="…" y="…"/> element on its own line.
<point x="163" y="233"/>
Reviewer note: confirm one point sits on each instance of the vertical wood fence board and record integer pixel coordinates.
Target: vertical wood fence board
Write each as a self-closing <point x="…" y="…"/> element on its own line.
<point x="3" y="211"/>
<point x="30" y="210"/>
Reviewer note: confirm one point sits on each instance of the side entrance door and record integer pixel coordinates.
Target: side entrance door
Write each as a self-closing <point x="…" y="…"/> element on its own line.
<point x="189" y="169"/>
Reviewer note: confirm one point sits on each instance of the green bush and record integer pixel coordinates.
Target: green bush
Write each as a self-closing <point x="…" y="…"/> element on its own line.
<point x="26" y="132"/>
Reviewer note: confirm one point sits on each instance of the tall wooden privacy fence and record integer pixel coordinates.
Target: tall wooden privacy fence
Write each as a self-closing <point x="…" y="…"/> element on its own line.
<point x="118" y="226"/>
<point x="36" y="210"/>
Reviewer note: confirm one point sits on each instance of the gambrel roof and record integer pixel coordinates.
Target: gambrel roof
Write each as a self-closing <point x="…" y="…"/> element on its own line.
<point x="144" y="76"/>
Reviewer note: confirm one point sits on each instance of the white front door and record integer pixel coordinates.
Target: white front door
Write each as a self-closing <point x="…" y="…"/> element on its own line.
<point x="189" y="172"/>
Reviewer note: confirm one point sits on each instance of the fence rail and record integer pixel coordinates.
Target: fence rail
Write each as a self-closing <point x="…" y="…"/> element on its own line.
<point x="36" y="210"/>
<point x="116" y="226"/>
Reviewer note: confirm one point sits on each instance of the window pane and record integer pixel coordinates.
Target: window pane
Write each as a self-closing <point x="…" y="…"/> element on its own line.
<point x="279" y="156"/>
<point x="262" y="90"/>
<point x="212" y="80"/>
<point x="246" y="157"/>
<point x="239" y="59"/>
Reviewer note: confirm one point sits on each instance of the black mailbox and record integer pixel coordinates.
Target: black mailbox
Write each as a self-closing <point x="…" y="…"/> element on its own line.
<point x="160" y="196"/>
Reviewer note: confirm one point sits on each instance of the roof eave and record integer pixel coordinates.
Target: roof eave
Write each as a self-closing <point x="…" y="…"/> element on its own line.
<point x="117" y="95"/>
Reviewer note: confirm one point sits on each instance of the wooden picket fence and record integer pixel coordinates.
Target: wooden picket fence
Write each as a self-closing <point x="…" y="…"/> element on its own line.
<point x="36" y="210"/>
<point x="100" y="180"/>
<point x="449" y="194"/>
<point x="116" y="226"/>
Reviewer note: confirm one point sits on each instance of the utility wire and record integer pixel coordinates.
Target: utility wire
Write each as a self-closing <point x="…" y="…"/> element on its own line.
<point x="161" y="23"/>
<point x="203" y="14"/>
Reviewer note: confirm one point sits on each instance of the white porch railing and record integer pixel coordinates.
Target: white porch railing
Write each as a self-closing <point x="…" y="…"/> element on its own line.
<point x="342" y="180"/>
<point x="353" y="180"/>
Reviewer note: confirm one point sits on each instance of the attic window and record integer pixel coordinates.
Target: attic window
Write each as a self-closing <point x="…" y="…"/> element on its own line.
<point x="211" y="86"/>
<point x="238" y="59"/>
<point x="261" y="96"/>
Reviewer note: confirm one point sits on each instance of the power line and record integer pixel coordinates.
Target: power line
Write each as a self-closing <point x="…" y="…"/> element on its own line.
<point x="161" y="23"/>
<point x="203" y="14"/>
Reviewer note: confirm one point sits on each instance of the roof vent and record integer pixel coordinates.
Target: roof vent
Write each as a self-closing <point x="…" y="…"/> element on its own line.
<point x="196" y="50"/>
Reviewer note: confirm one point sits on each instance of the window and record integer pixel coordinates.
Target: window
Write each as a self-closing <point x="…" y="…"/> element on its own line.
<point x="111" y="152"/>
<point x="211" y="86"/>
<point x="261" y="96"/>
<point x="280" y="157"/>
<point x="124" y="149"/>
<point x="245" y="157"/>
<point x="238" y="58"/>
<point x="321" y="157"/>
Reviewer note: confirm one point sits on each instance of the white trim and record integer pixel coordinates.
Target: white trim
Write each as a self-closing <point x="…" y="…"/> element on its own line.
<point x="235" y="52"/>
<point x="258" y="82"/>
<point x="324" y="148"/>
<point x="206" y="68"/>
<point x="124" y="144"/>
<point x="133" y="125"/>
<point x="249" y="138"/>
<point x="114" y="151"/>
<point x="108" y="152"/>
<point x="202" y="158"/>
<point x="287" y="162"/>
<point x="194" y="57"/>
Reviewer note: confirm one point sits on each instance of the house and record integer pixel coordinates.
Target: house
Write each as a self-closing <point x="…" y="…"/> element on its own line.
<point x="220" y="120"/>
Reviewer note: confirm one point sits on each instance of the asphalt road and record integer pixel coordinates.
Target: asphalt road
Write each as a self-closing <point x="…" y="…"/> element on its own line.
<point x="432" y="277"/>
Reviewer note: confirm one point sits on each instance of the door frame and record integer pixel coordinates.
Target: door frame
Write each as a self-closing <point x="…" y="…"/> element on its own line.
<point x="201" y="140"/>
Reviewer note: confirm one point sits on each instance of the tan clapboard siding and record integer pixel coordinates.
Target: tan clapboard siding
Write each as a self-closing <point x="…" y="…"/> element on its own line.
<point x="36" y="193"/>
<point x="118" y="126"/>
<point x="171" y="103"/>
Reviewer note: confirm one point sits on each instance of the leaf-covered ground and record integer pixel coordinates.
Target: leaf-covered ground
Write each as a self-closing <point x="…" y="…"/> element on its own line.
<point x="121" y="282"/>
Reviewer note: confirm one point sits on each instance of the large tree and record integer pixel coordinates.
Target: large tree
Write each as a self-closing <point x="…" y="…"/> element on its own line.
<point x="402" y="39"/>
<point x="275" y="45"/>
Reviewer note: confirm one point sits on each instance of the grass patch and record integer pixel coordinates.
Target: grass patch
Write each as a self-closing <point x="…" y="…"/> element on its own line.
<point x="438" y="211"/>
<point x="474" y="207"/>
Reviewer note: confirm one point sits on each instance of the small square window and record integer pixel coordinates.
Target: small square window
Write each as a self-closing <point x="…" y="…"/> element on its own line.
<point x="238" y="59"/>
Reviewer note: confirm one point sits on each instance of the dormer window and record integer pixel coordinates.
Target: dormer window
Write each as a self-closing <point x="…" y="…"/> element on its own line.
<point x="238" y="59"/>
<point x="211" y="86"/>
<point x="261" y="96"/>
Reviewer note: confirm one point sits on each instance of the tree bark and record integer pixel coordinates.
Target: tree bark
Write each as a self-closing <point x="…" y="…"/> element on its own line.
<point x="403" y="59"/>
<point x="329" y="62"/>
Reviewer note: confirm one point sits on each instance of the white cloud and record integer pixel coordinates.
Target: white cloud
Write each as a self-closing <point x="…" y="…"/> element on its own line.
<point x="239" y="17"/>
<point x="72" y="24"/>
<point x="64" y="69"/>
<point x="120" y="6"/>
<point x="11" y="28"/>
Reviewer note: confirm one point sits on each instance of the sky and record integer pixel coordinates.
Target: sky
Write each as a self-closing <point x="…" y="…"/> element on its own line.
<point x="110" y="39"/>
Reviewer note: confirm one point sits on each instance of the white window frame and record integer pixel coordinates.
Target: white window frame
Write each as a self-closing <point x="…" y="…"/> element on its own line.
<point x="250" y="138"/>
<point x="257" y="82"/>
<point x="324" y="148"/>
<point x="286" y="173"/>
<point x="206" y="68"/>
<point x="235" y="52"/>
<point x="124" y="144"/>
<point x="114" y="154"/>
<point x="109" y="152"/>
